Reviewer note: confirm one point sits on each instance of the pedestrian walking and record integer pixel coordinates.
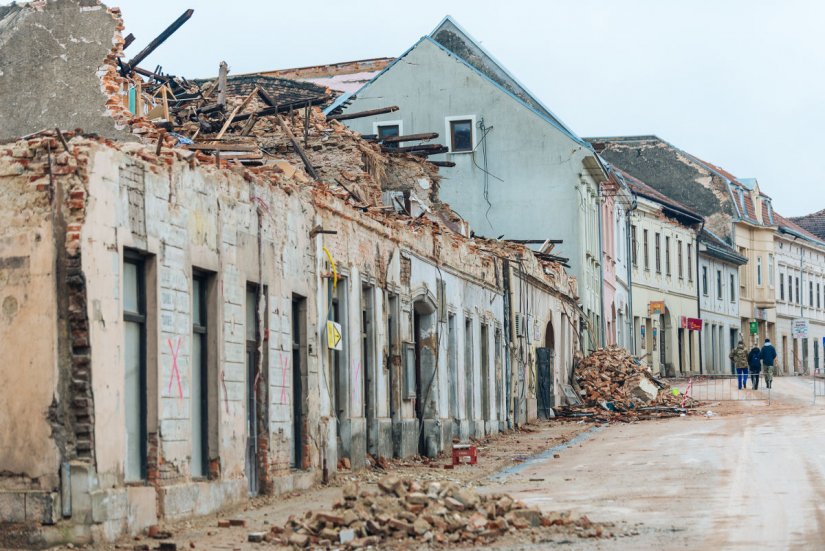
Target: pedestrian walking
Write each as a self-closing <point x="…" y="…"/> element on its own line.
<point x="768" y="357"/>
<point x="740" y="362"/>
<point x="755" y="366"/>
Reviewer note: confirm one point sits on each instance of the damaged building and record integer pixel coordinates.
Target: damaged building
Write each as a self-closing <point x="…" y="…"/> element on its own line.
<point x="218" y="292"/>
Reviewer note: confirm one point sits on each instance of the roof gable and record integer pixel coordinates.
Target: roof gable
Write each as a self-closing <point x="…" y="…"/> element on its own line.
<point x="454" y="38"/>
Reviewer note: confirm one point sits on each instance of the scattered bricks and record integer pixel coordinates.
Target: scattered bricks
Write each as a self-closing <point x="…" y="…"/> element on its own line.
<point x="349" y="518"/>
<point x="256" y="537"/>
<point x="350" y="491"/>
<point x="421" y="526"/>
<point x="417" y="498"/>
<point x="400" y="526"/>
<point x="453" y="504"/>
<point x="389" y="484"/>
<point x="237" y="522"/>
<point x="532" y="516"/>
<point x="346" y="535"/>
<point x="299" y="540"/>
<point x="468" y="498"/>
<point x="477" y="522"/>
<point x="331" y="518"/>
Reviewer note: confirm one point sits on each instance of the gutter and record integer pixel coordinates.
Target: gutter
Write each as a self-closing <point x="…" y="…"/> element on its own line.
<point x="506" y="306"/>
<point x="698" y="297"/>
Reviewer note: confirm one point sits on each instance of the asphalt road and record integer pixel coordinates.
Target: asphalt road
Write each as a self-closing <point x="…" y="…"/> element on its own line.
<point x="751" y="476"/>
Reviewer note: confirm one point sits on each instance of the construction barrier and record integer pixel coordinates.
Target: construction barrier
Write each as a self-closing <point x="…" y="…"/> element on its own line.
<point x="721" y="388"/>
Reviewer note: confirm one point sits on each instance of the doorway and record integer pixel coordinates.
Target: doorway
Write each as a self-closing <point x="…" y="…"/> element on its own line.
<point x="545" y="358"/>
<point x="367" y="365"/>
<point x="299" y="387"/>
<point x="252" y="360"/>
<point x="426" y="346"/>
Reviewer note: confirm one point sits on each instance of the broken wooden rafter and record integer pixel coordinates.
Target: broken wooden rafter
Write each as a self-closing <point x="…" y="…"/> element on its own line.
<point x="235" y="111"/>
<point x="447" y="164"/>
<point x="413" y="148"/>
<point x="361" y="114"/>
<point x="297" y="146"/>
<point x="409" y="137"/>
<point x="428" y="152"/>
<point x="222" y="147"/>
<point x="223" y="69"/>
<point x="161" y="38"/>
<point x="285" y="108"/>
<point x="128" y="40"/>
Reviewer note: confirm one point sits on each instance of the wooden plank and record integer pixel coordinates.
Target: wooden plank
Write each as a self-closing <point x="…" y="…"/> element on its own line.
<point x="297" y="146"/>
<point x="411" y="148"/>
<point x="447" y="164"/>
<point x="223" y="69"/>
<point x="161" y="38"/>
<point x="247" y="128"/>
<point x="128" y="40"/>
<point x="242" y="156"/>
<point x="360" y="114"/>
<point x="235" y="111"/>
<point x="221" y="147"/>
<point x="409" y="137"/>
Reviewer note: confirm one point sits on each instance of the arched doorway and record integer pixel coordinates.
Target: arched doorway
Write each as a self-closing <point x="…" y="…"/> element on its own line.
<point x="545" y="359"/>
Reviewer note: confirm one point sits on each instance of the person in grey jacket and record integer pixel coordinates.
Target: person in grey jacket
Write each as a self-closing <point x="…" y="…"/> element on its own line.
<point x="768" y="357"/>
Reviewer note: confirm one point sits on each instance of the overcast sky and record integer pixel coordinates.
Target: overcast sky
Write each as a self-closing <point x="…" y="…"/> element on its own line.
<point x="740" y="83"/>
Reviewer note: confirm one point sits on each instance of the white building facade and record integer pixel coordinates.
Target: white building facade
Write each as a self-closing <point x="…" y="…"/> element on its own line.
<point x="718" y="301"/>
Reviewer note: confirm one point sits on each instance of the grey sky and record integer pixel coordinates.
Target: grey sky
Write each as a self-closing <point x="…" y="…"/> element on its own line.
<point x="736" y="82"/>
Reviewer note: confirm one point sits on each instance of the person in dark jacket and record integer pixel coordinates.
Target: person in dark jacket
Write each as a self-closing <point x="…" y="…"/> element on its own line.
<point x="755" y="366"/>
<point x="768" y="357"/>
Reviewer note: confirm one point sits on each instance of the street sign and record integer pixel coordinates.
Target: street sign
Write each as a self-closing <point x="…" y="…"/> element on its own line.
<point x="799" y="329"/>
<point x="334" y="336"/>
<point x="754" y="327"/>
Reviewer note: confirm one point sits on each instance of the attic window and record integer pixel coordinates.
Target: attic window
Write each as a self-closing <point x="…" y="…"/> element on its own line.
<point x="460" y="131"/>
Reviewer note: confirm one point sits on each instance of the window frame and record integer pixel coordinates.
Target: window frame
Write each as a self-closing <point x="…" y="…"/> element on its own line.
<point x="201" y="331"/>
<point x="646" y="248"/>
<point x="634" y="246"/>
<point x="378" y="124"/>
<point x="141" y="319"/>
<point x="732" y="287"/>
<point x="657" y="251"/>
<point x="448" y="132"/>
<point x="667" y="256"/>
<point x="704" y="280"/>
<point x="719" y="293"/>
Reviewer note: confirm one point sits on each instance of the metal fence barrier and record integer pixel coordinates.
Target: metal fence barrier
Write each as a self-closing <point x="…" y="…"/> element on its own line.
<point x="818" y="378"/>
<point x="721" y="388"/>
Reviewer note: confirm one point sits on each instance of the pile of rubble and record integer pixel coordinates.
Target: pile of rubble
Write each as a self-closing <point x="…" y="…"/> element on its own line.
<point x="613" y="383"/>
<point x="404" y="512"/>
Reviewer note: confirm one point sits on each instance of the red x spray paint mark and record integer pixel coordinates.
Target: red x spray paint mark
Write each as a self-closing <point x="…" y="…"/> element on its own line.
<point x="284" y="365"/>
<point x="175" y="373"/>
<point x="356" y="387"/>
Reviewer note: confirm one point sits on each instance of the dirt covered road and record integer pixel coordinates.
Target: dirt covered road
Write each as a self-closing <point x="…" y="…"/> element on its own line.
<point x="750" y="476"/>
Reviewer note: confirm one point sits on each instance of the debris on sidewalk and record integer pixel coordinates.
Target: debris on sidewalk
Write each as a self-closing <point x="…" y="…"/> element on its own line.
<point x="616" y="386"/>
<point x="439" y="514"/>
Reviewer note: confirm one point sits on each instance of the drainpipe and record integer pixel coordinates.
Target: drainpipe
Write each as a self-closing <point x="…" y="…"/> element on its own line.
<point x="507" y="314"/>
<point x="629" y="263"/>
<point x="698" y="296"/>
<point x="601" y="265"/>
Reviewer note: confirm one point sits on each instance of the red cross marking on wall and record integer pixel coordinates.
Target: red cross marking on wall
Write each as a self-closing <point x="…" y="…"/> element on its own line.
<point x="175" y="373"/>
<point x="284" y="366"/>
